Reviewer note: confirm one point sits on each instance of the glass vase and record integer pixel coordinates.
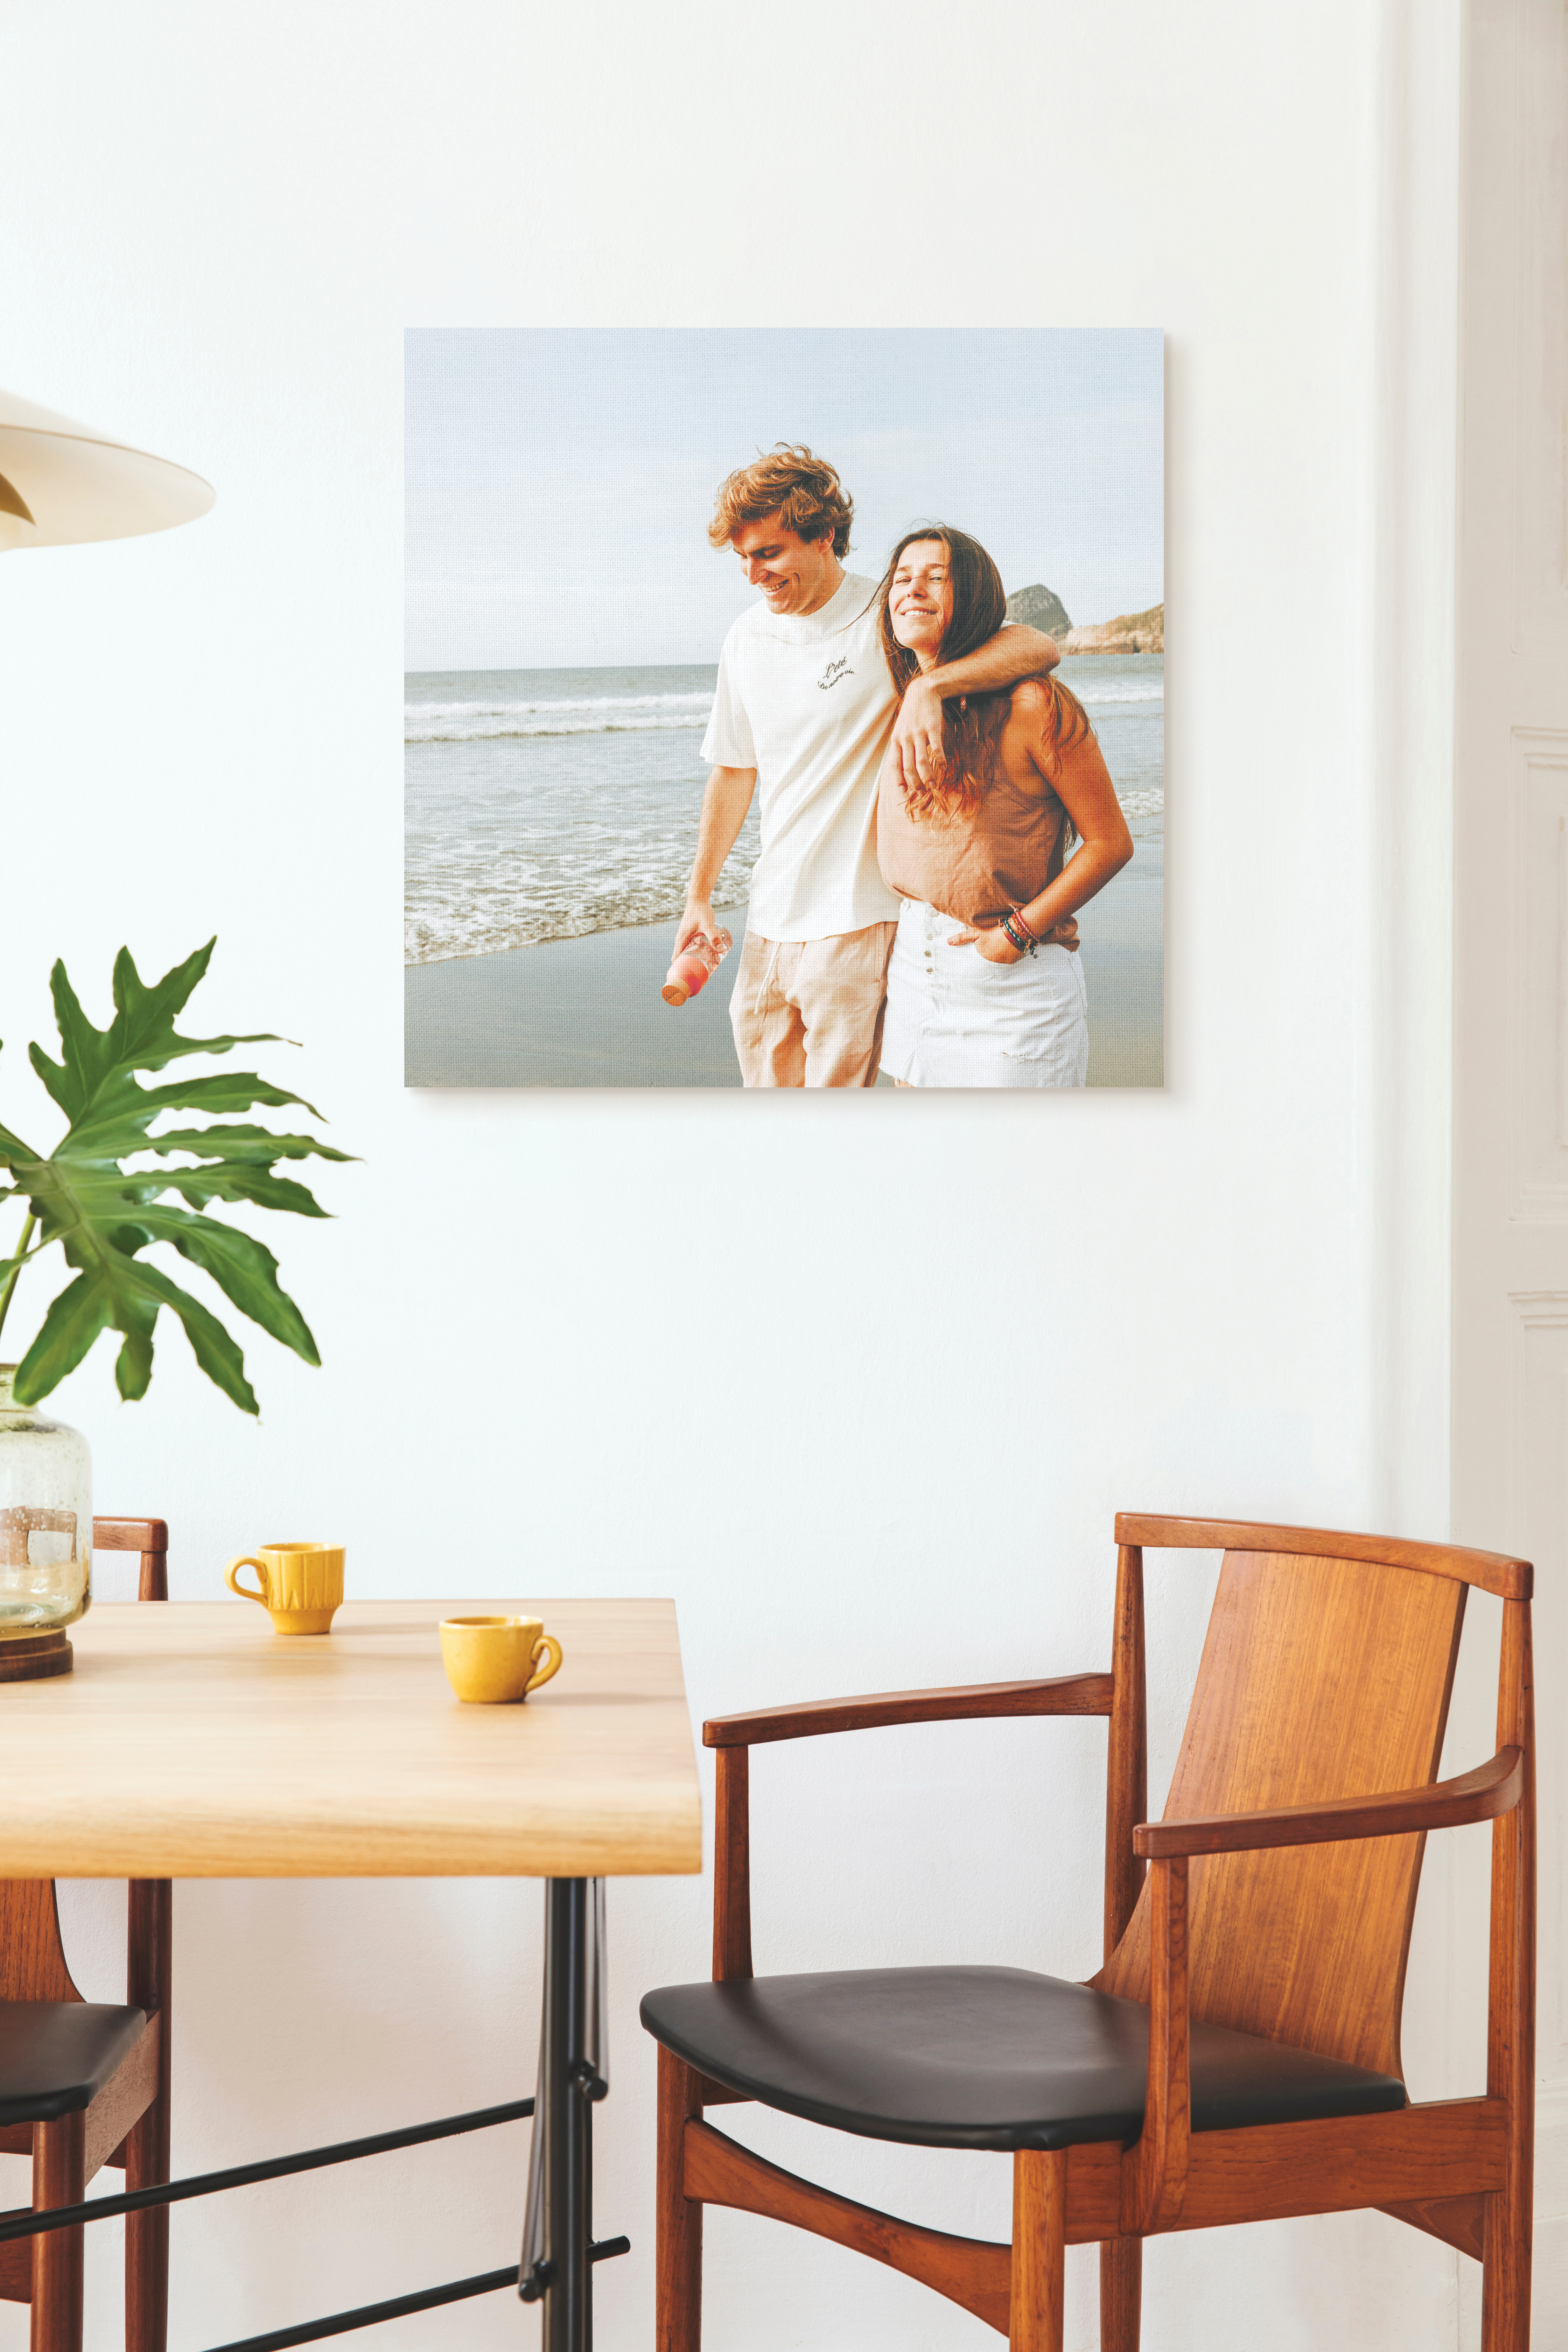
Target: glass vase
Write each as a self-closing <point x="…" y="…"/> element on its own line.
<point x="45" y="1536"/>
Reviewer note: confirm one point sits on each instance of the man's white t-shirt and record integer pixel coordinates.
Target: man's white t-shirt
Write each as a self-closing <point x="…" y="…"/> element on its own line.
<point x="805" y="700"/>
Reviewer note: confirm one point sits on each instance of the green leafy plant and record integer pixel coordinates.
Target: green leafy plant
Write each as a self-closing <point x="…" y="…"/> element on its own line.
<point x="104" y="1216"/>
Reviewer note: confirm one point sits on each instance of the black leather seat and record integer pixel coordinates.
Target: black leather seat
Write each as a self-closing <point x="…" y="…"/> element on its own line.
<point x="57" y="2055"/>
<point x="991" y="2058"/>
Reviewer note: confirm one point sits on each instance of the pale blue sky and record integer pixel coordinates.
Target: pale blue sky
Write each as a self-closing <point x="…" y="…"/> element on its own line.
<point x="559" y="480"/>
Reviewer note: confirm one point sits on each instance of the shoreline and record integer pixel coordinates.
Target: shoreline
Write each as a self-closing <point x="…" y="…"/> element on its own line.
<point x="586" y="1012"/>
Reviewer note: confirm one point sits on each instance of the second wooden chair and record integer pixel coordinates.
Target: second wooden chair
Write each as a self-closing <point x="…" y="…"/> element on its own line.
<point x="85" y="2083"/>
<point x="1236" y="2058"/>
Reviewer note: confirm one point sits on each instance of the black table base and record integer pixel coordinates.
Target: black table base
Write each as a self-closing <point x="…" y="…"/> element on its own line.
<point x="559" y="2249"/>
<point x="558" y="2246"/>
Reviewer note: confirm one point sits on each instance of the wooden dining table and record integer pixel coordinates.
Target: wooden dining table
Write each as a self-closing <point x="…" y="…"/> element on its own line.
<point x="191" y="1741"/>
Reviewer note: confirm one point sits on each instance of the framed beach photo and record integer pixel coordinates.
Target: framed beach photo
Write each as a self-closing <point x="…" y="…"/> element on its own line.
<point x="784" y="707"/>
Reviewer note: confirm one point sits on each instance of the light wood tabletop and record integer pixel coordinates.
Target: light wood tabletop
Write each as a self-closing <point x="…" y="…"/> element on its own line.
<point x="191" y="1741"/>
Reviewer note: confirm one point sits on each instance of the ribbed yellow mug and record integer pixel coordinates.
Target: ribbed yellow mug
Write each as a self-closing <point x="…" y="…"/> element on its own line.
<point x="492" y="1660"/>
<point x="301" y="1585"/>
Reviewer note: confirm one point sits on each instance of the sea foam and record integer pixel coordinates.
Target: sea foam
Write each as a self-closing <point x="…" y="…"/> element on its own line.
<point x="631" y="714"/>
<point x="600" y="714"/>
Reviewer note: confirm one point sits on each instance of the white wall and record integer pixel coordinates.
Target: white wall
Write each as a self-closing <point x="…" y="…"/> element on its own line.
<point x="943" y="1340"/>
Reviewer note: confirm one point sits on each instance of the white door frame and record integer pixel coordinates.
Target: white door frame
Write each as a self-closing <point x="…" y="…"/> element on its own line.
<point x="1511" y="955"/>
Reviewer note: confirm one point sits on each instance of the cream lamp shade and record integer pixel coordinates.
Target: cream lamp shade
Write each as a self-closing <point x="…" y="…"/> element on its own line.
<point x="62" y="483"/>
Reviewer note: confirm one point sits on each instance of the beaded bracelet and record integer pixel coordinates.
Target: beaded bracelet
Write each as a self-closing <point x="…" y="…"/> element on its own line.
<point x="1024" y="942"/>
<point x="1022" y="922"/>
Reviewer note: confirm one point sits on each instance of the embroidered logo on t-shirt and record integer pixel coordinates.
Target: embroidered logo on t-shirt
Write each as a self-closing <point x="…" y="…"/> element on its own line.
<point x="835" y="671"/>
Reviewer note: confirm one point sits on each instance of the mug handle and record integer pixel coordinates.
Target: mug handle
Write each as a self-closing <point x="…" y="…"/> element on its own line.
<point x="231" y="1578"/>
<point x="545" y="1641"/>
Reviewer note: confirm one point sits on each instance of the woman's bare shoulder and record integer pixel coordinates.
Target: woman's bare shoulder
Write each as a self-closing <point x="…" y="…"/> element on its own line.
<point x="1037" y="707"/>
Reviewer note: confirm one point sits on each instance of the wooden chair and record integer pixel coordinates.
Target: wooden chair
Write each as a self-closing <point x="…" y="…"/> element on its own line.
<point x="83" y="2084"/>
<point x="1236" y="2057"/>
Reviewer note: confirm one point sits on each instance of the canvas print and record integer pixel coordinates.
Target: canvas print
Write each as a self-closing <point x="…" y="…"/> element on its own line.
<point x="785" y="708"/>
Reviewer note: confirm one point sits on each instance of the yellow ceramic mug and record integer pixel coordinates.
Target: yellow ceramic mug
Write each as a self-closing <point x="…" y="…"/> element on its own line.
<point x="301" y="1585"/>
<point x="490" y="1660"/>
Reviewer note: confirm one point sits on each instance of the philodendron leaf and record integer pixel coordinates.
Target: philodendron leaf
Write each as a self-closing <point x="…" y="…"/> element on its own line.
<point x="105" y="1215"/>
<point x="126" y="1296"/>
<point x="244" y="1269"/>
<point x="82" y="1311"/>
<point x="116" y="1122"/>
<point x="142" y="1035"/>
<point x="12" y="1146"/>
<point x="237" y="1143"/>
<point x="197" y="1186"/>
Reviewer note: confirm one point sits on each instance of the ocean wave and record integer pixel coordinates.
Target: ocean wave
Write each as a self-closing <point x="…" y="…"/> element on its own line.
<point x="479" y="887"/>
<point x="596" y="704"/>
<point x="460" y="904"/>
<point x="603" y="714"/>
<point x="1127" y="691"/>
<point x="612" y="714"/>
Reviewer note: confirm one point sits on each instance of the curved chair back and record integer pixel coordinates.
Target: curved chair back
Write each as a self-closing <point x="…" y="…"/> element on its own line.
<point x="1324" y="1676"/>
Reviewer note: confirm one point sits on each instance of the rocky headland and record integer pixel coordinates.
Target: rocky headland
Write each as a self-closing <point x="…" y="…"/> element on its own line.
<point x="1039" y="608"/>
<point x="1129" y="632"/>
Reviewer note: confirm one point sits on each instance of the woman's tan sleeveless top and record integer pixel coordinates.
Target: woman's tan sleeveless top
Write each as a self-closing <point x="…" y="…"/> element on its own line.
<point x="975" y="864"/>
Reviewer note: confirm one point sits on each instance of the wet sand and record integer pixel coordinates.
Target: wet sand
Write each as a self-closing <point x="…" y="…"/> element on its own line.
<point x="587" y="1012"/>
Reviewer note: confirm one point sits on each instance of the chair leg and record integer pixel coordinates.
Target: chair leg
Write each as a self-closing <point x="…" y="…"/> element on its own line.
<point x="1505" y="2275"/>
<point x="59" y="2178"/>
<point x="1040" y="2250"/>
<point x="679" y="2291"/>
<point x="1121" y="2293"/>
<point x="147" y="2143"/>
<point x="147" y="2235"/>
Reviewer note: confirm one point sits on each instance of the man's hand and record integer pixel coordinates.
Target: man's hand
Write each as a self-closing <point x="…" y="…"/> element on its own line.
<point x="917" y="736"/>
<point x="695" y="917"/>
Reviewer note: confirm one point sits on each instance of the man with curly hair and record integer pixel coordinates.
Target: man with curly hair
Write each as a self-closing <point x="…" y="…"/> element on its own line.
<point x="804" y="714"/>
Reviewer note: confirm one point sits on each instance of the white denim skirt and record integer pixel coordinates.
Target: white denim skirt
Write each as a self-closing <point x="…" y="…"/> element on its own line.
<point x="955" y="1020"/>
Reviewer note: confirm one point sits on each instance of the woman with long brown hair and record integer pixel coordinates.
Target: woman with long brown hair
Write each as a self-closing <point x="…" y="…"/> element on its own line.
<point x="979" y="994"/>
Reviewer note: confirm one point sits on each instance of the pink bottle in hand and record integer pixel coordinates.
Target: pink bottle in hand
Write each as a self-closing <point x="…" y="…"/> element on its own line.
<point x="693" y="968"/>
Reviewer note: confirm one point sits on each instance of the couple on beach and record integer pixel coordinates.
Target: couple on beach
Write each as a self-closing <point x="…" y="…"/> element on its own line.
<point x="921" y="777"/>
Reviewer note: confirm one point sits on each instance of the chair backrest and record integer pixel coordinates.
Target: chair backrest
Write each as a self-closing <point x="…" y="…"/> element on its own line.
<point x="148" y="1536"/>
<point x="1323" y="1676"/>
<point x="32" y="1956"/>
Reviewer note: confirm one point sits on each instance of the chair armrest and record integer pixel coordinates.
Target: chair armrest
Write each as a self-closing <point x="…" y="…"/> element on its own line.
<point x="734" y="1736"/>
<point x="1062" y="1695"/>
<point x="1479" y="1796"/>
<point x="1154" y="2168"/>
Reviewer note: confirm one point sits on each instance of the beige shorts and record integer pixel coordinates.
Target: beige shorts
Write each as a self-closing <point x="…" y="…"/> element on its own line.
<point x="808" y="1012"/>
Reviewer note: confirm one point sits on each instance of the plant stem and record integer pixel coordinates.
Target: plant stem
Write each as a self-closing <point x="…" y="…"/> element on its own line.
<point x="9" y="1284"/>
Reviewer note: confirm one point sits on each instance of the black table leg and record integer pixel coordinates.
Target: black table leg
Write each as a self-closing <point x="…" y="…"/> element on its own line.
<point x="568" y="2119"/>
<point x="559" y="2252"/>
